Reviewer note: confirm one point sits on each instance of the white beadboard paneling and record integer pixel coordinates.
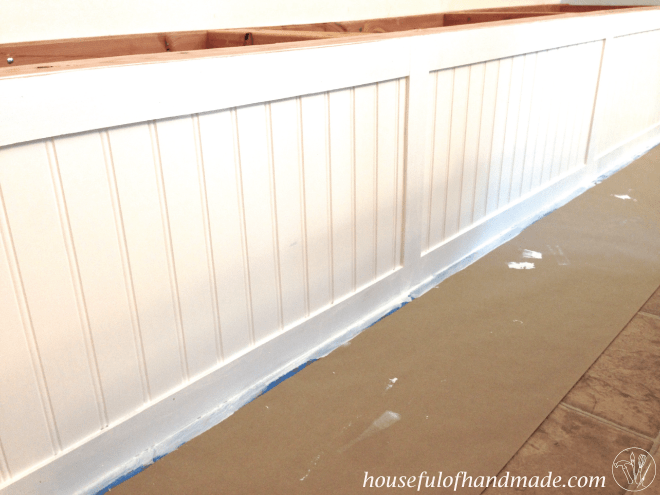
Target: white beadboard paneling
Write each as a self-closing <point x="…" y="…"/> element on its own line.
<point x="217" y="136"/>
<point x="317" y="207"/>
<point x="82" y="166"/>
<point x="439" y="164"/>
<point x="564" y="110"/>
<point x="534" y="123"/>
<point x="185" y="213"/>
<point x="486" y="135"/>
<point x="523" y="132"/>
<point x="341" y="110"/>
<point x="134" y="168"/>
<point x="499" y="133"/>
<point x="633" y="106"/>
<point x="49" y="291"/>
<point x="260" y="230"/>
<point x="287" y="163"/>
<point x="569" y="112"/>
<point x="542" y="102"/>
<point x="554" y="102"/>
<point x="511" y="132"/>
<point x="402" y="125"/>
<point x="366" y="147"/>
<point x="25" y="437"/>
<point x="388" y="166"/>
<point x="172" y="246"/>
<point x="459" y="116"/>
<point x="472" y="141"/>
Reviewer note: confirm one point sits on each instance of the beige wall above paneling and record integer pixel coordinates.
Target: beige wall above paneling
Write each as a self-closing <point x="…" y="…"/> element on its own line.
<point x="30" y="20"/>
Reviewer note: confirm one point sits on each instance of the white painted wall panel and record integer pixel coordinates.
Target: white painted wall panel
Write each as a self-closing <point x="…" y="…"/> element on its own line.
<point x="632" y="104"/>
<point x="441" y="123"/>
<point x="82" y="168"/>
<point x="472" y="140"/>
<point x="500" y="130"/>
<point x="524" y="133"/>
<point x="486" y="135"/>
<point x="68" y="365"/>
<point x="366" y="150"/>
<point x="289" y="192"/>
<point x="387" y="188"/>
<point x="341" y="109"/>
<point x="317" y="206"/>
<point x="499" y="133"/>
<point x="133" y="160"/>
<point x="180" y="161"/>
<point x="22" y="400"/>
<point x="511" y="132"/>
<point x="258" y="202"/>
<point x="219" y="149"/>
<point x="542" y="103"/>
<point x="175" y="246"/>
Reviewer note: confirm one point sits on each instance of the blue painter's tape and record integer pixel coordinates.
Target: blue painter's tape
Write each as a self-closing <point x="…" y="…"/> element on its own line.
<point x="119" y="481"/>
<point x="284" y="377"/>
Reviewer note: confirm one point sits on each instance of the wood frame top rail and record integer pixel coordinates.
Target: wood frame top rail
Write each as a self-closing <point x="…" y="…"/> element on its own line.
<point x="38" y="57"/>
<point x="45" y="52"/>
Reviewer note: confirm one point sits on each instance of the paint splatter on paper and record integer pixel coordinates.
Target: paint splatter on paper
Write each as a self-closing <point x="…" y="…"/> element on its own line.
<point x="532" y="254"/>
<point x="385" y="420"/>
<point x="559" y="255"/>
<point x="391" y="384"/>
<point x="521" y="266"/>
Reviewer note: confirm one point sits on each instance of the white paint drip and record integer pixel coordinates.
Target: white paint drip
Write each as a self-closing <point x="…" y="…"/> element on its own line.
<point x="391" y="384"/>
<point x="532" y="254"/>
<point x="387" y="419"/>
<point x="314" y="462"/>
<point x="559" y="255"/>
<point x="521" y="266"/>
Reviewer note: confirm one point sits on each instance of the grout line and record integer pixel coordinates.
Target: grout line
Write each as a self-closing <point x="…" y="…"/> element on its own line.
<point x="648" y="314"/>
<point x="605" y="421"/>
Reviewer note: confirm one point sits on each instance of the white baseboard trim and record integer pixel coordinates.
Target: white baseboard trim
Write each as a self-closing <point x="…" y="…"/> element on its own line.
<point x="622" y="154"/>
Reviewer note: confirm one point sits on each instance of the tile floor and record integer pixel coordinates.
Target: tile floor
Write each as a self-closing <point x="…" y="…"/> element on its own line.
<point x="615" y="405"/>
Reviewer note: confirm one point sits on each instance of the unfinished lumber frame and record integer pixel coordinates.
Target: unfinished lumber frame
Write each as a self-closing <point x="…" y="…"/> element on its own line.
<point x="40" y="54"/>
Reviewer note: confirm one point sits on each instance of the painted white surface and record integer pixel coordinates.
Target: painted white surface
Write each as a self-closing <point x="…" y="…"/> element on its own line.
<point x="632" y="106"/>
<point x="218" y="237"/>
<point x="30" y="20"/>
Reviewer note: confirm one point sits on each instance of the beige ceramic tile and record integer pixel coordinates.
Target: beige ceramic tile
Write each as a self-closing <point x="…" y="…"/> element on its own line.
<point x="570" y="444"/>
<point x="653" y="304"/>
<point x="623" y="385"/>
<point x="654" y="487"/>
